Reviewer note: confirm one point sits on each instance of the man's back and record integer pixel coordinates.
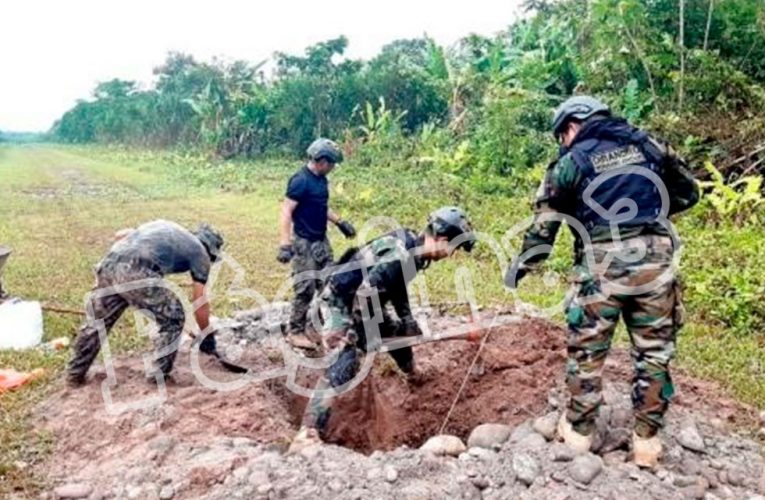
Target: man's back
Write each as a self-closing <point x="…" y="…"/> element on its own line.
<point x="166" y="245"/>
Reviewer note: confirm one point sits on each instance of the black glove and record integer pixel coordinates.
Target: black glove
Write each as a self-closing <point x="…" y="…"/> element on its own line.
<point x="346" y="228"/>
<point x="285" y="254"/>
<point x="514" y="274"/>
<point x="208" y="344"/>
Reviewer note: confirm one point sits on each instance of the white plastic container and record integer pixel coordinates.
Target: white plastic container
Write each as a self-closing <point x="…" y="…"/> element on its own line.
<point x="21" y="324"/>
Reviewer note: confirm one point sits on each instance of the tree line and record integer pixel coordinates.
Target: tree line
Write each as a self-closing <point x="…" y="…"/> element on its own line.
<point x="692" y="70"/>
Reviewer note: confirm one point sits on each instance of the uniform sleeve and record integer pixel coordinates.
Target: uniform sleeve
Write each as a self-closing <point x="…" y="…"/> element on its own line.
<point x="681" y="186"/>
<point x="296" y="188"/>
<point x="556" y="195"/>
<point x="199" y="267"/>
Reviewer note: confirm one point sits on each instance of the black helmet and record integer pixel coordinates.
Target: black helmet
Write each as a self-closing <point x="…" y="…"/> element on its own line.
<point x="211" y="239"/>
<point x="580" y="107"/>
<point x="452" y="222"/>
<point x="324" y="148"/>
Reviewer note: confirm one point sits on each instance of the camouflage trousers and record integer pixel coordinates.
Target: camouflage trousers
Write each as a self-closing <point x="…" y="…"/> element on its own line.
<point x="639" y="285"/>
<point x="344" y="335"/>
<point x="110" y="298"/>
<point x="310" y="256"/>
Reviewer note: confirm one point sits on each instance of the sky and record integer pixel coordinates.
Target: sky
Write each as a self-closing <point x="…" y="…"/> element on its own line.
<point x="54" y="52"/>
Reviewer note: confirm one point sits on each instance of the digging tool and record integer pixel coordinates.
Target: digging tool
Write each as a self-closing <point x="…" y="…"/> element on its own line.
<point x="5" y="252"/>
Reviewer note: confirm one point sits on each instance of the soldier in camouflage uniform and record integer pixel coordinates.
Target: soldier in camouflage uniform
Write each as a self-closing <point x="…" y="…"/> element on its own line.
<point x="303" y="225"/>
<point x="381" y="269"/>
<point x="623" y="261"/>
<point x="149" y="252"/>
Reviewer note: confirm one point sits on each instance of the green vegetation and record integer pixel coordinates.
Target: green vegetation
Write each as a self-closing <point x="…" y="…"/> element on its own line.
<point x="479" y="109"/>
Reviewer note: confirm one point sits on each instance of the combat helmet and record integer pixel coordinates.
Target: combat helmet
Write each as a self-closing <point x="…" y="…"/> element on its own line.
<point x="580" y="107"/>
<point x="453" y="223"/>
<point x="325" y="148"/>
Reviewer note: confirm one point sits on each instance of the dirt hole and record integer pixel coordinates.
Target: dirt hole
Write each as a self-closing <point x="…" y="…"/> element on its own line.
<point x="517" y="367"/>
<point x="509" y="383"/>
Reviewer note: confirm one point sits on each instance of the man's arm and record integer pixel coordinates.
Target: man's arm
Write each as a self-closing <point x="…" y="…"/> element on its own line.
<point x="202" y="311"/>
<point x="344" y="226"/>
<point x="333" y="217"/>
<point x="556" y="195"/>
<point x="285" y="221"/>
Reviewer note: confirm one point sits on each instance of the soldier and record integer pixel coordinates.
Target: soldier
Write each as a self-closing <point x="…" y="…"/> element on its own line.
<point x="382" y="268"/>
<point x="303" y="225"/>
<point x="151" y="251"/>
<point x="610" y="180"/>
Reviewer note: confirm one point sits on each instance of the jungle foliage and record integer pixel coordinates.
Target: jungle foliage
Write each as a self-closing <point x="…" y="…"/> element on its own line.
<point x="692" y="71"/>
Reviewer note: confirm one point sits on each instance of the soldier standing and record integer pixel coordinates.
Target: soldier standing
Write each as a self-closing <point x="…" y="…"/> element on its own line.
<point x="381" y="269"/>
<point x="303" y="225"/>
<point x="610" y="180"/>
<point x="149" y="252"/>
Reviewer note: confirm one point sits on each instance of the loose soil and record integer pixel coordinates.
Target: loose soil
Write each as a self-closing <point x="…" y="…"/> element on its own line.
<point x="520" y="367"/>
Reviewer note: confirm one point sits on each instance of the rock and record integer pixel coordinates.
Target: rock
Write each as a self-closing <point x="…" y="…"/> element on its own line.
<point x="683" y="481"/>
<point x="264" y="489"/>
<point x="391" y="474"/>
<point x="614" y="458"/>
<point x="73" y="490"/>
<point x="258" y="477"/>
<point x="480" y="482"/>
<point x="481" y="453"/>
<point x="374" y="473"/>
<point x="562" y="453"/>
<point x="698" y="490"/>
<point x="558" y="476"/>
<point x="615" y="439"/>
<point x="546" y="425"/>
<point x="711" y="477"/>
<point x="533" y="441"/>
<point x="736" y="477"/>
<point x="522" y="431"/>
<point x="762" y="418"/>
<point x="490" y="436"/>
<point x="444" y="445"/>
<point x="240" y="473"/>
<point x="585" y="468"/>
<point x="690" y="439"/>
<point x="167" y="492"/>
<point x="242" y="442"/>
<point x="690" y="467"/>
<point x="526" y="468"/>
<point x="336" y="485"/>
<point x="134" y="492"/>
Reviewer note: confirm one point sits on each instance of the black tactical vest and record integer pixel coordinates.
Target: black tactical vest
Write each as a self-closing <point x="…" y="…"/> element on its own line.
<point x="348" y="276"/>
<point x="620" y="171"/>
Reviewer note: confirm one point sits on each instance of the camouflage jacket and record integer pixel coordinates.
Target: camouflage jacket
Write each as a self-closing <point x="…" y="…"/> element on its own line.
<point x="557" y="195"/>
<point x="386" y="264"/>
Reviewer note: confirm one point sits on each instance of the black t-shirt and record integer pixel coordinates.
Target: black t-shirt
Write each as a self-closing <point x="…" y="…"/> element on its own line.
<point x="311" y="192"/>
<point x="166" y="245"/>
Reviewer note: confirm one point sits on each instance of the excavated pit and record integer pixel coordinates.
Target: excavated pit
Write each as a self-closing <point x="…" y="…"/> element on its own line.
<point x="509" y="382"/>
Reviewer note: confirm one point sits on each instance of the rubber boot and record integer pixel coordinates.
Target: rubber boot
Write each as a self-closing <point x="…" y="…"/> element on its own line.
<point x="577" y="442"/>
<point x="646" y="451"/>
<point x="305" y="438"/>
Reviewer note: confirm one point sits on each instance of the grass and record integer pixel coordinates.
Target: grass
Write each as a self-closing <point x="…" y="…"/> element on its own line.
<point x="61" y="206"/>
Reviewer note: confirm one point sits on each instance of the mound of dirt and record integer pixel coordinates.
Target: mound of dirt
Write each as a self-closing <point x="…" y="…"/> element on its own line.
<point x="193" y="438"/>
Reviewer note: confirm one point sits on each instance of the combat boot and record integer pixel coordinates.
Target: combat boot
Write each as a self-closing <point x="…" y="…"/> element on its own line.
<point x="580" y="443"/>
<point x="646" y="451"/>
<point x="305" y="438"/>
